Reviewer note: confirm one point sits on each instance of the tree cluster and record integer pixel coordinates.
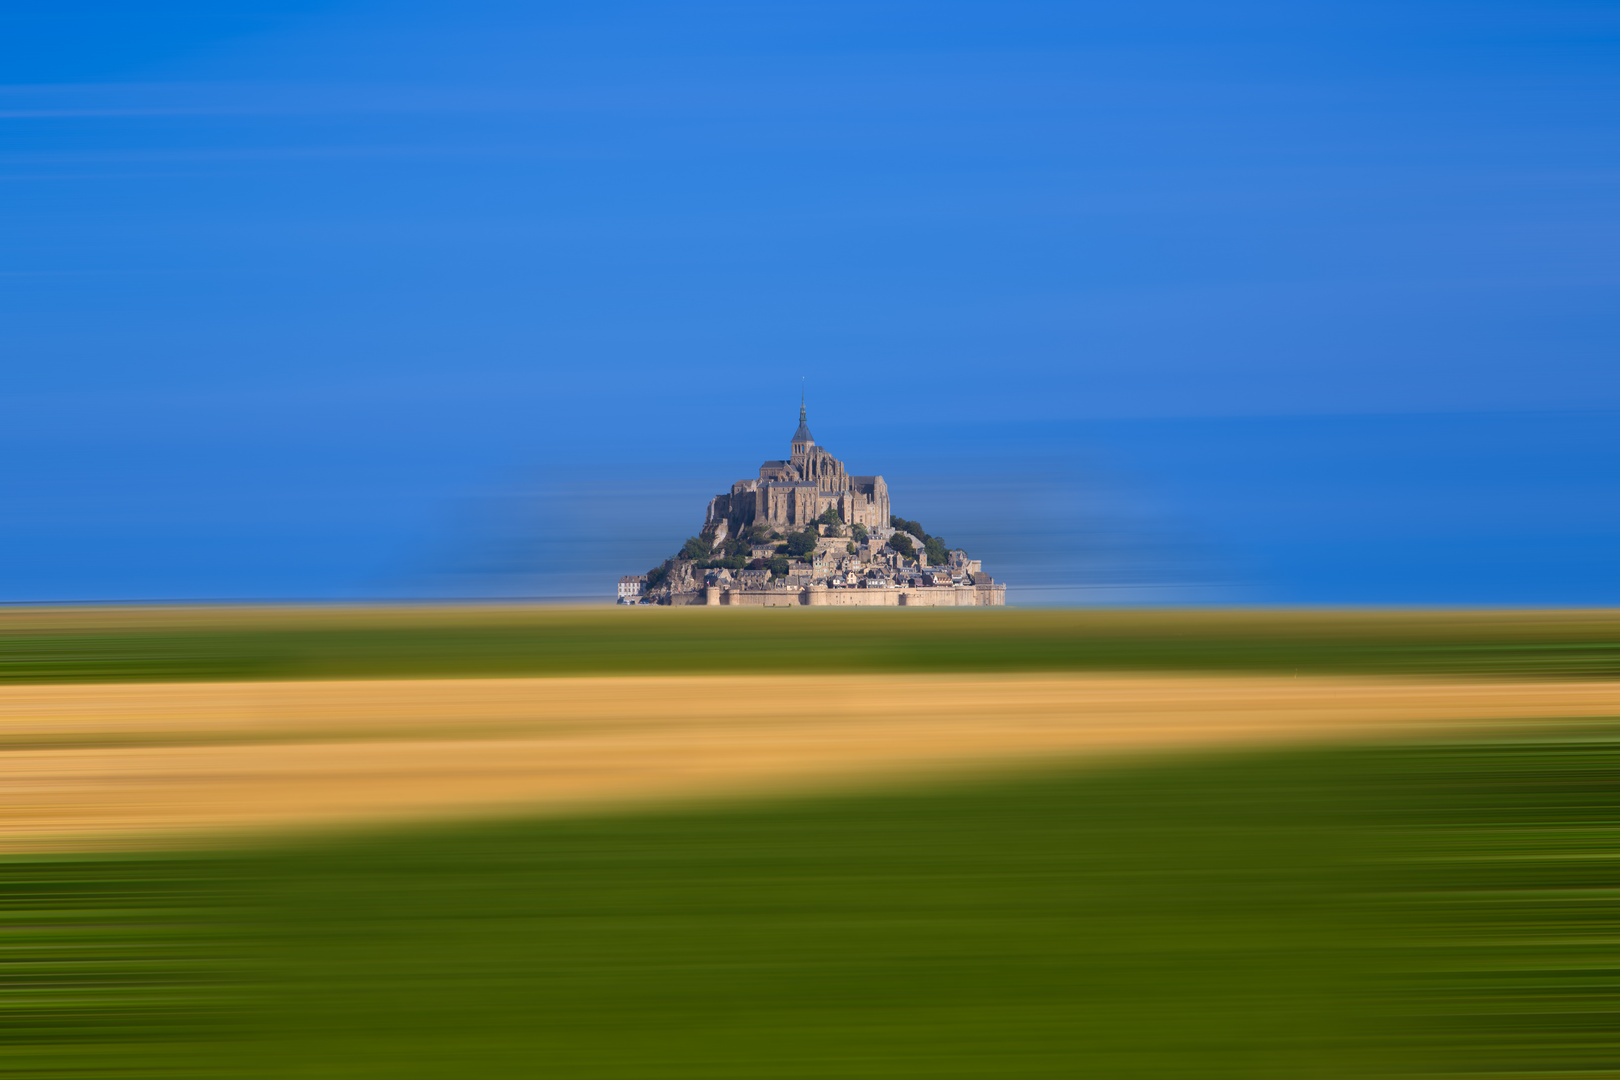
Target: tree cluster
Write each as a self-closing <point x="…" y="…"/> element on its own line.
<point x="731" y="554"/>
<point x="913" y="527"/>
<point x="800" y="544"/>
<point x="658" y="575"/>
<point x="933" y="546"/>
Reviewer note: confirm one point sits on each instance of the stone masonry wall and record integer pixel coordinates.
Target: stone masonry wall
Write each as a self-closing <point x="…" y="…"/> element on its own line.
<point x="956" y="596"/>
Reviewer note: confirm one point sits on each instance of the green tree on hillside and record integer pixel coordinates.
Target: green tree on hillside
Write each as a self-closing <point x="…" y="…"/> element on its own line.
<point x="913" y="527"/>
<point x="800" y="544"/>
<point x="934" y="546"/>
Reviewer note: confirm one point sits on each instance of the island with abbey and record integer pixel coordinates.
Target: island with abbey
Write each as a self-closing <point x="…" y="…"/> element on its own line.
<point x="806" y="532"/>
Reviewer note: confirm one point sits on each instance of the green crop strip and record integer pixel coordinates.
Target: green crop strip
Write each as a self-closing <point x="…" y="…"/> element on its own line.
<point x="88" y="645"/>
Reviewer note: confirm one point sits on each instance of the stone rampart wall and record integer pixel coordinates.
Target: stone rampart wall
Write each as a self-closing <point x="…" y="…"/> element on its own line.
<point x="958" y="596"/>
<point x="762" y="598"/>
<point x="955" y="596"/>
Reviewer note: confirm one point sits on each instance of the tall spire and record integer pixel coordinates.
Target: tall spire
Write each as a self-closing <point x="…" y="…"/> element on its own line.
<point x="802" y="436"/>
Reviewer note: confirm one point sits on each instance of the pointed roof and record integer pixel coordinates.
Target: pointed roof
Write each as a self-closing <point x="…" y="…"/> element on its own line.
<point x="803" y="434"/>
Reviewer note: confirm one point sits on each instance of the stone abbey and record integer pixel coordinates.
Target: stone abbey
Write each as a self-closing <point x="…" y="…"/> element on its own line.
<point x="806" y="532"/>
<point x="797" y="492"/>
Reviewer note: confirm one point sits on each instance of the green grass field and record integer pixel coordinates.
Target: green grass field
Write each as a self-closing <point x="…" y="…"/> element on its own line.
<point x="1416" y="910"/>
<point x="68" y="644"/>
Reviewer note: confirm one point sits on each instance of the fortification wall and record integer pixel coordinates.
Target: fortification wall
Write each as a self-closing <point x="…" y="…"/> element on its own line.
<point x="960" y="596"/>
<point x="956" y="596"/>
<point x="852" y="597"/>
<point x="762" y="598"/>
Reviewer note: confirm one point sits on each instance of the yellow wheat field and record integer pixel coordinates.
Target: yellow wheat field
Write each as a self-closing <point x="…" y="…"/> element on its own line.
<point x="93" y="766"/>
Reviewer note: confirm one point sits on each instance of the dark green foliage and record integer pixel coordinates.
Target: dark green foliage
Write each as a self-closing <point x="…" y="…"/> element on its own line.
<point x="758" y="533"/>
<point x="801" y="544"/>
<point x="912" y="527"/>
<point x="858" y="531"/>
<point x="756" y="564"/>
<point x="934" y="546"/>
<point x="1426" y="909"/>
<point x="830" y="516"/>
<point x="658" y="574"/>
<point x="851" y="548"/>
<point x="695" y="548"/>
<point x="779" y="565"/>
<point x="902" y="543"/>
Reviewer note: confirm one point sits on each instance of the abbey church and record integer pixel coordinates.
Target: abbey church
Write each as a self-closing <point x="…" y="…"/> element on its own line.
<point x="794" y="493"/>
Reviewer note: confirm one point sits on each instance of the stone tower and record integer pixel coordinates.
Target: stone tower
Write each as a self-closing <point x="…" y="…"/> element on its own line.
<point x="803" y="442"/>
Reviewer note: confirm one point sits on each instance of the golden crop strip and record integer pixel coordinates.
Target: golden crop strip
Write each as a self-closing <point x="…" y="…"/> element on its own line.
<point x="96" y="766"/>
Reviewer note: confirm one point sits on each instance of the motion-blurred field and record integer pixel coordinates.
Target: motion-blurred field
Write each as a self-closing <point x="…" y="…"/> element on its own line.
<point x="1440" y="898"/>
<point x="1418" y="910"/>
<point x="105" y="765"/>
<point x="86" y="644"/>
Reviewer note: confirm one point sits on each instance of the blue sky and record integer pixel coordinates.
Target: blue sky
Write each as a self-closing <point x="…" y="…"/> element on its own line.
<point x="1261" y="302"/>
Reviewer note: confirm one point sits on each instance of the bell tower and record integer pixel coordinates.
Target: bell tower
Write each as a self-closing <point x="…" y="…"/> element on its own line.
<point x="803" y="441"/>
